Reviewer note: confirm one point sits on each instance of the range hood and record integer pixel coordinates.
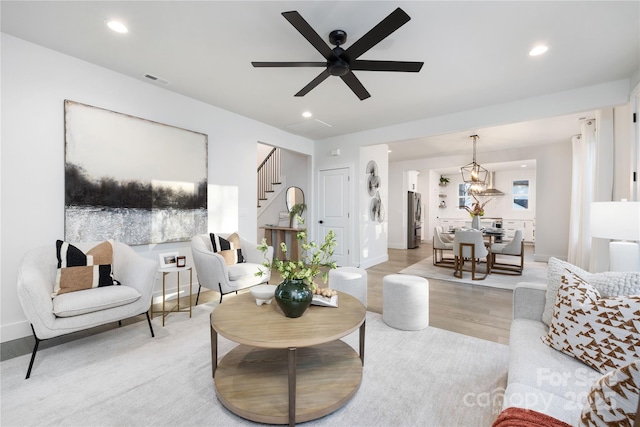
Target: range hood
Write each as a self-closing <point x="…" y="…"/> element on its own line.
<point x="490" y="190"/>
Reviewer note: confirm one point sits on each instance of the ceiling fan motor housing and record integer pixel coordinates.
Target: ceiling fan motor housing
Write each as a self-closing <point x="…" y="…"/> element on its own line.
<point x="338" y="66"/>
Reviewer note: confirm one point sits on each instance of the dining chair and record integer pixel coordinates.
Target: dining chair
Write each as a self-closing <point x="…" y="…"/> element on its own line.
<point x="469" y="245"/>
<point x="445" y="236"/>
<point x="513" y="248"/>
<point x="439" y="246"/>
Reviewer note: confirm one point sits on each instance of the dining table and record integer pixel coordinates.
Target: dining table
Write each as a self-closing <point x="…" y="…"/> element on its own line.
<point x="491" y="235"/>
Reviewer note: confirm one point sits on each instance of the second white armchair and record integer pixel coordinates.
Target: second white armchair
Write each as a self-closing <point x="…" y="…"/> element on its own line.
<point x="214" y="273"/>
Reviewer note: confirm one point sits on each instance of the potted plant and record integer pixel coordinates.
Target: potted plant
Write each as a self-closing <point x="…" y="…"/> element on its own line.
<point x="295" y="292"/>
<point x="443" y="181"/>
<point x="295" y="214"/>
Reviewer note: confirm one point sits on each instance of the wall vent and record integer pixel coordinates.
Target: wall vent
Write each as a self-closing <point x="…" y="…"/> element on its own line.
<point x="156" y="79"/>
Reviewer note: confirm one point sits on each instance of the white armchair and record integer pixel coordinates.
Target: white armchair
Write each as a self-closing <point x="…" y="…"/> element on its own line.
<point x="214" y="273"/>
<point x="75" y="311"/>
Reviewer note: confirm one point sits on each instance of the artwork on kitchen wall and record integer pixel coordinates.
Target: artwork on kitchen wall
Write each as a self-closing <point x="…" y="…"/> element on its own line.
<point x="376" y="209"/>
<point x="132" y="180"/>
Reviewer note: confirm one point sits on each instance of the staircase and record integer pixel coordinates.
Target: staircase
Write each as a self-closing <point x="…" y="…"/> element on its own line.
<point x="268" y="176"/>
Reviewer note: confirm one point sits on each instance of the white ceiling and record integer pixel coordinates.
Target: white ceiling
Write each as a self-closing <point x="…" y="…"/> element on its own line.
<point x="475" y="54"/>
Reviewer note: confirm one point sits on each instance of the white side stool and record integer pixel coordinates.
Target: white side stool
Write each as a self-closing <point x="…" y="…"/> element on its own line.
<point x="405" y="302"/>
<point x="350" y="280"/>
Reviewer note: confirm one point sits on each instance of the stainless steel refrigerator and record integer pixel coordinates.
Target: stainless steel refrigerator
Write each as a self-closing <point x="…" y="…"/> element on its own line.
<point x="414" y="218"/>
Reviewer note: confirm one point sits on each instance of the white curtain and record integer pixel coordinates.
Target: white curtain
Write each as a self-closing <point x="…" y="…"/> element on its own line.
<point x="582" y="194"/>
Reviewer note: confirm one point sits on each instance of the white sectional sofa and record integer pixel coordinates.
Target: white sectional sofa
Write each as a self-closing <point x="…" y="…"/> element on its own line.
<point x="541" y="378"/>
<point x="573" y="350"/>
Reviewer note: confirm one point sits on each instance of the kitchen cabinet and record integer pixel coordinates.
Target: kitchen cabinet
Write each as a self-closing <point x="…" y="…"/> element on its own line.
<point x="528" y="227"/>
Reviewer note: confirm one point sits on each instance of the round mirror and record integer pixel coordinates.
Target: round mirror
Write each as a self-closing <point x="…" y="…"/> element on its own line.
<point x="294" y="196"/>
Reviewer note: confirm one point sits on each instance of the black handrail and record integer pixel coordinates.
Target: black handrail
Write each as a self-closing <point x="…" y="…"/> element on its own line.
<point x="268" y="174"/>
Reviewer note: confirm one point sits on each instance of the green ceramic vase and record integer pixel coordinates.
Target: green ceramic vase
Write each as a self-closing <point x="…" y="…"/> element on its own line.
<point x="293" y="297"/>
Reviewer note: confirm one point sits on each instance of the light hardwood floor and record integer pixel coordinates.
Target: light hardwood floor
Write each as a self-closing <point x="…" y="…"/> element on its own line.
<point x="476" y="311"/>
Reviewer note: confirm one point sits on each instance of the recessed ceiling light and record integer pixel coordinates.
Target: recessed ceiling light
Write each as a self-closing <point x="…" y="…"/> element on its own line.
<point x="389" y="151"/>
<point x="307" y="114"/>
<point x="117" y="26"/>
<point x="523" y="166"/>
<point x="538" y="50"/>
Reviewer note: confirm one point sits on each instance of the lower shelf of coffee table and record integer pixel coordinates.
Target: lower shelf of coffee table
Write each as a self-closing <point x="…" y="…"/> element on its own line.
<point x="253" y="382"/>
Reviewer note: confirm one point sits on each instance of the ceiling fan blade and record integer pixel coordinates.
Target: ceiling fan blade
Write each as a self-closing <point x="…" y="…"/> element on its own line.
<point x="289" y="64"/>
<point x="388" y="25"/>
<point x="315" y="82"/>
<point x="309" y="33"/>
<point x="407" y="66"/>
<point x="354" y="84"/>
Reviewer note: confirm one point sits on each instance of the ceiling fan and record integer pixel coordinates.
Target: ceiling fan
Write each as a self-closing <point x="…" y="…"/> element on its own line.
<point x="341" y="62"/>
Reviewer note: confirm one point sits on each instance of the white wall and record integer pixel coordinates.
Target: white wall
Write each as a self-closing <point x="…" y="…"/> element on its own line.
<point x="35" y="82"/>
<point x="557" y="104"/>
<point x="372" y="234"/>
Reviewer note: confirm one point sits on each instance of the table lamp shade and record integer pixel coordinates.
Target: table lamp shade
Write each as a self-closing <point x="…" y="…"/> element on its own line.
<point x="618" y="221"/>
<point x="615" y="220"/>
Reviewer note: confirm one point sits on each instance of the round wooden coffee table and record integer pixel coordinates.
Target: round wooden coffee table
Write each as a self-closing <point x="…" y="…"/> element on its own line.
<point x="286" y="370"/>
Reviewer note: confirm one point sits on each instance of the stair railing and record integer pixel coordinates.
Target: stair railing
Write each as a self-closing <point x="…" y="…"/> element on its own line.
<point x="268" y="174"/>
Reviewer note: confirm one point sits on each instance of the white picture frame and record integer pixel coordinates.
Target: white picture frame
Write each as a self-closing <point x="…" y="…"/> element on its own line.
<point x="168" y="259"/>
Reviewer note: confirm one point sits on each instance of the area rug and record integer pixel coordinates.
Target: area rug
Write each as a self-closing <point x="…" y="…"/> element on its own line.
<point x="124" y="377"/>
<point x="533" y="272"/>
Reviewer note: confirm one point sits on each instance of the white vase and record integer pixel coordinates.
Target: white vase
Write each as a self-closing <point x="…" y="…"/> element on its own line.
<point x="475" y="222"/>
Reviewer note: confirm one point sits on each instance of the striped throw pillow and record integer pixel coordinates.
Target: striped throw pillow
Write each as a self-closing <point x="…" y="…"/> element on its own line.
<point x="228" y="248"/>
<point x="79" y="271"/>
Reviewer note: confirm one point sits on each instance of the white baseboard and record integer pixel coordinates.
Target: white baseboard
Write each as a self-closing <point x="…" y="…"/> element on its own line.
<point x="15" y="331"/>
<point x="171" y="292"/>
<point x="374" y="261"/>
<point x="545" y="258"/>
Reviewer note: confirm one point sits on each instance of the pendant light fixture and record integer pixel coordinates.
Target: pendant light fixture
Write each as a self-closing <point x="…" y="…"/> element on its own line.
<point x="474" y="174"/>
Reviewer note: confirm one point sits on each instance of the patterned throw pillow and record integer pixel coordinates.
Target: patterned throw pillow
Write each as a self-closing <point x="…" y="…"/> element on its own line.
<point x="613" y="399"/>
<point x="228" y="248"/>
<point x="555" y="270"/>
<point x="604" y="333"/>
<point x="78" y="271"/>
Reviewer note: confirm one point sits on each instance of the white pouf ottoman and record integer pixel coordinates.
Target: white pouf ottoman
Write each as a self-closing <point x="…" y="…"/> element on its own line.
<point x="405" y="302"/>
<point x="350" y="280"/>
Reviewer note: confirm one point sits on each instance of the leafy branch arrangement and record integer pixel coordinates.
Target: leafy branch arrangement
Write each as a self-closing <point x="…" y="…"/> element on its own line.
<point x="317" y="259"/>
<point x="477" y="208"/>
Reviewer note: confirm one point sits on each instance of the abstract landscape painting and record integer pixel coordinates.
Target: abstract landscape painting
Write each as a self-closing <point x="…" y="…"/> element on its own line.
<point x="132" y="180"/>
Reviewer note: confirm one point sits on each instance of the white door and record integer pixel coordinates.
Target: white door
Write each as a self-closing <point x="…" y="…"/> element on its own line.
<point x="333" y="210"/>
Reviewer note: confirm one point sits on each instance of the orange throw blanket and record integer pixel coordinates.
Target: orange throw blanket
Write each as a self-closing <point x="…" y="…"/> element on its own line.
<point x="519" y="417"/>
